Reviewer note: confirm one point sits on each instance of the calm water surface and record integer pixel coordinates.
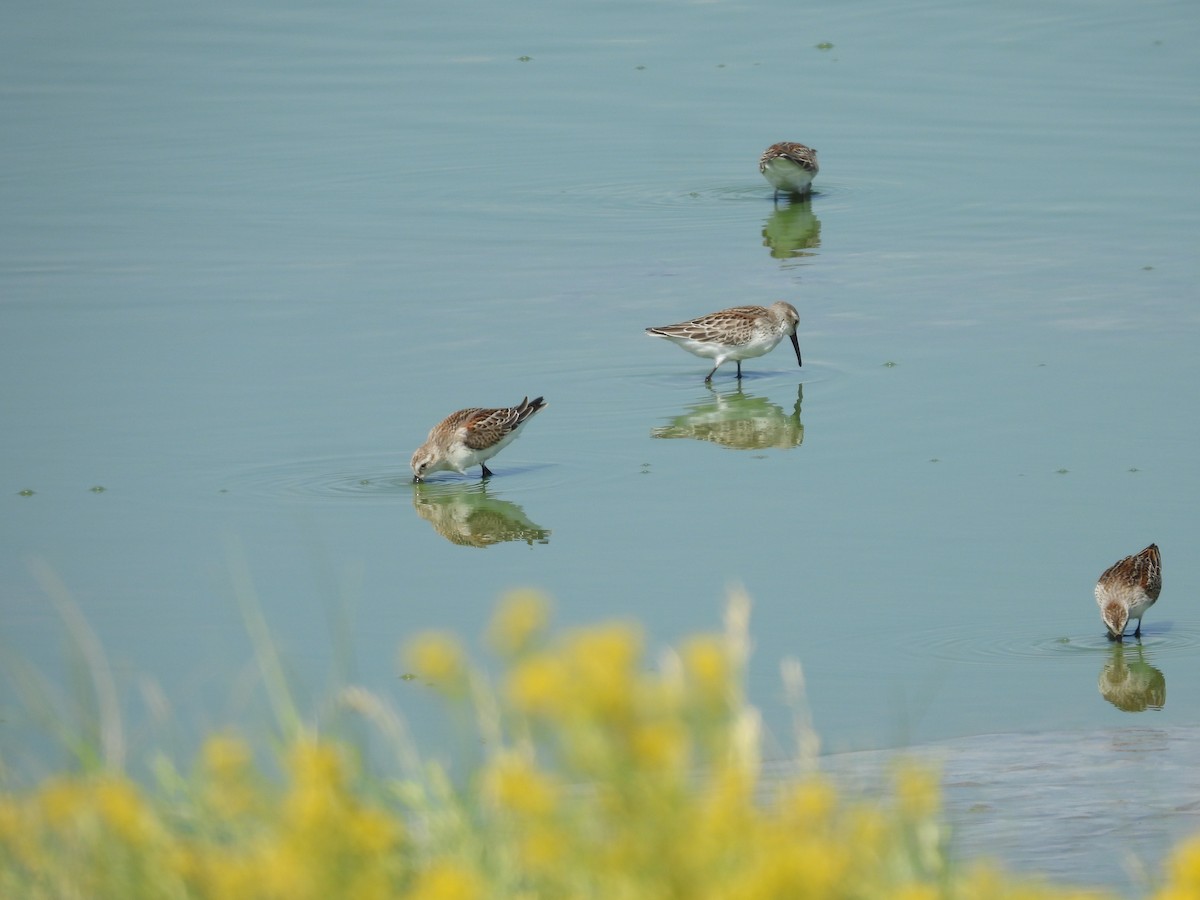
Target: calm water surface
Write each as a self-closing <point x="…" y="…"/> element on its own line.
<point x="248" y="256"/>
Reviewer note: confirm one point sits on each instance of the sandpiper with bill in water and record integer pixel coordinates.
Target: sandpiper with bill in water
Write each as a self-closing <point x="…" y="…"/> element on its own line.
<point x="470" y="437"/>
<point x="789" y="167"/>
<point x="1127" y="589"/>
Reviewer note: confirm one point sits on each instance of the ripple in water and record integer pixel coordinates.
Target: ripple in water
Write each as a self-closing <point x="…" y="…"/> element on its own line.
<point x="986" y="644"/>
<point x="376" y="477"/>
<point x="701" y="206"/>
<point x="330" y="477"/>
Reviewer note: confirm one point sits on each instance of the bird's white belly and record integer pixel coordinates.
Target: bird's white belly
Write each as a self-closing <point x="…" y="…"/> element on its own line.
<point x="723" y="352"/>
<point x="1140" y="604"/>
<point x="461" y="457"/>
<point x="787" y="175"/>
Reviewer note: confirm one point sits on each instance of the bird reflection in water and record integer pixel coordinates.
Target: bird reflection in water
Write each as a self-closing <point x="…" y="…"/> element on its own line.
<point x="1130" y="683"/>
<point x="468" y="515"/>
<point x="792" y="230"/>
<point x="739" y="421"/>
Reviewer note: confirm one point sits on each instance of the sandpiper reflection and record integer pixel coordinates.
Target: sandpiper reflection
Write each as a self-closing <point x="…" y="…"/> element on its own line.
<point x="792" y="230"/>
<point x="739" y="421"/>
<point x="467" y="514"/>
<point x="1130" y="683"/>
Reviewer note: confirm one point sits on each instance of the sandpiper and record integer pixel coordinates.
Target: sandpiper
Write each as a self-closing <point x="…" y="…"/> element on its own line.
<point x="789" y="167"/>
<point x="737" y="333"/>
<point x="1127" y="589"/>
<point x="470" y="437"/>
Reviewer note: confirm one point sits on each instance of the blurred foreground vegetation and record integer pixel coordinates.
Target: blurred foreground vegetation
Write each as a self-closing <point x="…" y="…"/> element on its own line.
<point x="602" y="774"/>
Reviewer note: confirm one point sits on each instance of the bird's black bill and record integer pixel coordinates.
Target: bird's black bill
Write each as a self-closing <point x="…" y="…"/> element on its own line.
<point x="796" y="345"/>
<point x="416" y="479"/>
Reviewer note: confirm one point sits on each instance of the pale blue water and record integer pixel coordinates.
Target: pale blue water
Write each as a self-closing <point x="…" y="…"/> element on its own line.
<point x="248" y="256"/>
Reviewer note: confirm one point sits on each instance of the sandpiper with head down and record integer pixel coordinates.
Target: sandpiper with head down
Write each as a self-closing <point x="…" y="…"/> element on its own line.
<point x="789" y="167"/>
<point x="737" y="333"/>
<point x="1127" y="589"/>
<point x="470" y="437"/>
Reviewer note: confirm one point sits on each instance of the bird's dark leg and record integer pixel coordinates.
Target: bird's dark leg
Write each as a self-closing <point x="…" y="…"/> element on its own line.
<point x="1137" y="633"/>
<point x="739" y="362"/>
<point x="487" y="473"/>
<point x="708" y="377"/>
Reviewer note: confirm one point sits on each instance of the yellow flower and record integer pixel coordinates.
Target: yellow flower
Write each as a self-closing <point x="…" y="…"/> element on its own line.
<point x="520" y="618"/>
<point x="282" y="869"/>
<point x="17" y="838"/>
<point x="437" y="657"/>
<point x="661" y="746"/>
<point x="1176" y="893"/>
<point x="515" y="784"/>
<point x="1183" y="870"/>
<point x="60" y="800"/>
<point x="726" y="805"/>
<point x="544" y="848"/>
<point x="809" y="803"/>
<point x="10" y="818"/>
<point x="917" y="793"/>
<point x="983" y="881"/>
<point x="602" y="661"/>
<point x="445" y="881"/>
<point x="225" y="757"/>
<point x="121" y="808"/>
<point x="708" y="668"/>
<point x="228" y="763"/>
<point x="313" y="764"/>
<point x="373" y="832"/>
<point x="820" y="865"/>
<point x="538" y="686"/>
<point x="867" y="831"/>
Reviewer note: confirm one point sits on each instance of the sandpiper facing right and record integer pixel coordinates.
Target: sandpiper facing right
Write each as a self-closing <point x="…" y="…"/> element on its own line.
<point x="737" y="333"/>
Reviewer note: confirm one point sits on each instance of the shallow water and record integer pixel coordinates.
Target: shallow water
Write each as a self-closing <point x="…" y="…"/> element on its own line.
<point x="250" y="256"/>
<point x="1096" y="806"/>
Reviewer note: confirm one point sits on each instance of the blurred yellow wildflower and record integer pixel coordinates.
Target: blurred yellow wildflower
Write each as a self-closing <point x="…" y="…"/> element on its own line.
<point x="918" y="795"/>
<point x="445" y="880"/>
<point x="809" y="803"/>
<point x="437" y="657"/>
<point x="917" y="892"/>
<point x="226" y="757"/>
<point x="520" y="619"/>
<point x="513" y="783"/>
<point x="662" y="745"/>
<point x="604" y="777"/>
<point x="284" y="869"/>
<point x="709" y="670"/>
<point x="11" y="819"/>
<point x="868" y="829"/>
<point x="544" y="848"/>
<point x="602" y="661"/>
<point x="312" y="763"/>
<point x="227" y="763"/>
<point x="122" y="810"/>
<point x="1183" y="872"/>
<point x="61" y="799"/>
<point x="539" y="685"/>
